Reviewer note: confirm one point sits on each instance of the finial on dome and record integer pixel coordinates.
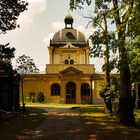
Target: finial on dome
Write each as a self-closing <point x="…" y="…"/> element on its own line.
<point x="68" y="21"/>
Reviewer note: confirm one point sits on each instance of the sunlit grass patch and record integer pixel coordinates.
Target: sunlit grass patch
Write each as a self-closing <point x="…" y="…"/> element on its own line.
<point x="91" y="110"/>
<point x="94" y="114"/>
<point x="104" y="126"/>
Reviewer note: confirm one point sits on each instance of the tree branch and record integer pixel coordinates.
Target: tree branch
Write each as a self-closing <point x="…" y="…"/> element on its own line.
<point x="125" y="17"/>
<point x="117" y="17"/>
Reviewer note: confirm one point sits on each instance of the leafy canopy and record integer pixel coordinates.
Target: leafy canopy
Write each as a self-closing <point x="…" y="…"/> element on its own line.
<point x="7" y="53"/>
<point x="78" y="3"/>
<point x="134" y="59"/>
<point x="25" y="65"/>
<point x="9" y="12"/>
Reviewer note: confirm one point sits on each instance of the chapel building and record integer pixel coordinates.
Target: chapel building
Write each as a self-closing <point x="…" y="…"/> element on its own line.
<point x="69" y="77"/>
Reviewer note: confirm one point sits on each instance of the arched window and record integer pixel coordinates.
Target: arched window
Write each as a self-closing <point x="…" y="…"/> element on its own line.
<point x="55" y="90"/>
<point x="66" y="61"/>
<point x="71" y="61"/>
<point x="85" y="89"/>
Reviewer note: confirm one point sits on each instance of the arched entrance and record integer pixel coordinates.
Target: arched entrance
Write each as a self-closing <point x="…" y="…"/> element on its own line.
<point x="70" y="93"/>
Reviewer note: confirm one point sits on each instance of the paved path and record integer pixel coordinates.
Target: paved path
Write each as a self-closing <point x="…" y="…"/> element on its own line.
<point x="61" y="124"/>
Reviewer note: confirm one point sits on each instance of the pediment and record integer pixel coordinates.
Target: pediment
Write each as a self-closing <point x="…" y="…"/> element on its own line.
<point x="69" y="45"/>
<point x="71" y="71"/>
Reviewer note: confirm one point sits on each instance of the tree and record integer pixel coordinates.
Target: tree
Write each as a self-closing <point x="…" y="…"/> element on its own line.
<point x="134" y="22"/>
<point x="109" y="93"/>
<point x="104" y="43"/>
<point x="134" y="43"/>
<point x="121" y="14"/>
<point x="9" y="12"/>
<point x="134" y="55"/>
<point x="7" y="53"/>
<point x="25" y="65"/>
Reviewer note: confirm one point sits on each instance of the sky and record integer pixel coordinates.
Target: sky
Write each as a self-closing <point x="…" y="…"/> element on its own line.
<point x="38" y="25"/>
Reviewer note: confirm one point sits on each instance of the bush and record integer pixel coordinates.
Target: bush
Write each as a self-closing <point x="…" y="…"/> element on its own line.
<point x="40" y="97"/>
<point x="108" y="93"/>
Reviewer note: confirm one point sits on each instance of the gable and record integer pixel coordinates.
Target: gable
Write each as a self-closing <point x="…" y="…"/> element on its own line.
<point x="70" y="71"/>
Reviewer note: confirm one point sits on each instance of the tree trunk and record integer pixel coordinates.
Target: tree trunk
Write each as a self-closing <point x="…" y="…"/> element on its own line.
<point x="126" y="111"/>
<point x="107" y="78"/>
<point x="126" y="99"/>
<point x="138" y="100"/>
<point x="107" y="65"/>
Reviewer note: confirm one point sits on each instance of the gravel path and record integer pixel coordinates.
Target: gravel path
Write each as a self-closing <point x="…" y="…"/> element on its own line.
<point x="61" y="124"/>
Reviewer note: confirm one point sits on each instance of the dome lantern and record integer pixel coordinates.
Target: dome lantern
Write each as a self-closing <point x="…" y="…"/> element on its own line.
<point x="68" y="21"/>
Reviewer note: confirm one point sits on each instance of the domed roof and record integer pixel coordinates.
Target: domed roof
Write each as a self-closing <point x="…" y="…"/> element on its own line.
<point x="69" y="35"/>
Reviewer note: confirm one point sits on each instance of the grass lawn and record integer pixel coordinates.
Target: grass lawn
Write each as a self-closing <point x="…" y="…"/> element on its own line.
<point x="18" y="128"/>
<point x="103" y="127"/>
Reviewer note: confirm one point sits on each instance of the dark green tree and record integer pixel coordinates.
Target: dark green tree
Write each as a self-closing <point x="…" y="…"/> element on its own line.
<point x="133" y="43"/>
<point x="134" y="60"/>
<point x="134" y="55"/>
<point x="133" y="30"/>
<point x="104" y="43"/>
<point x="121" y="13"/>
<point x="9" y="12"/>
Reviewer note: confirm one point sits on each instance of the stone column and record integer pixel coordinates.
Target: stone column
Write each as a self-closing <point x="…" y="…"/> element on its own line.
<point x="47" y="90"/>
<point x="87" y="56"/>
<point x="63" y="92"/>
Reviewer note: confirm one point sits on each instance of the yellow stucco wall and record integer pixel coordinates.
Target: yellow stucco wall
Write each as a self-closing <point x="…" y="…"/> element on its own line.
<point x="59" y="55"/>
<point x="43" y="84"/>
<point x="56" y="68"/>
<point x="33" y="85"/>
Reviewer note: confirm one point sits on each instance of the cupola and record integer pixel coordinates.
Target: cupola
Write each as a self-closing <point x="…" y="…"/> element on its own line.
<point x="68" y="21"/>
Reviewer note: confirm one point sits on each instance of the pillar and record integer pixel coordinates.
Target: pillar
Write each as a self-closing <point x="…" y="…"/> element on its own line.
<point x="78" y="93"/>
<point x="63" y="92"/>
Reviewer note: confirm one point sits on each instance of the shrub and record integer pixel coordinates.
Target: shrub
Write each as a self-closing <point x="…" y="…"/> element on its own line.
<point x="108" y="93"/>
<point x="40" y="97"/>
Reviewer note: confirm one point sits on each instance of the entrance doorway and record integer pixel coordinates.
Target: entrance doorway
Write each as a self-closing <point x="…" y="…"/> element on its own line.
<point x="70" y="93"/>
